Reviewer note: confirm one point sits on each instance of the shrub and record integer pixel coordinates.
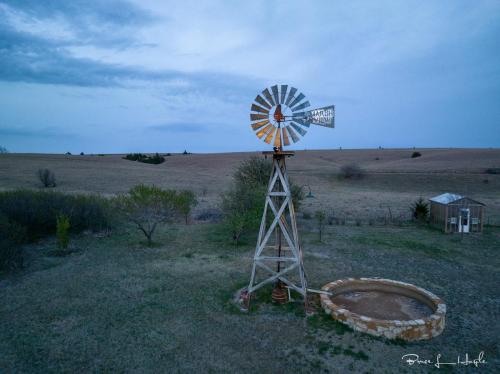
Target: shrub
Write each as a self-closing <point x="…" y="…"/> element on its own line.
<point x="420" y="209"/>
<point x="351" y="171"/>
<point x="47" y="177"/>
<point x="210" y="214"/>
<point x="12" y="235"/>
<point x="416" y="154"/>
<point x="62" y="231"/>
<point x="36" y="211"/>
<point x="149" y="206"/>
<point x="242" y="207"/>
<point x="68" y="153"/>
<point x="492" y="171"/>
<point x="186" y="201"/>
<point x="155" y="159"/>
<point x="82" y="154"/>
<point x="243" y="204"/>
<point x="256" y="172"/>
<point x="3" y="150"/>
<point x="320" y="218"/>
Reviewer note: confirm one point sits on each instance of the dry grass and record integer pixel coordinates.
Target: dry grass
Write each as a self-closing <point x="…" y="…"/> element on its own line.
<point x="394" y="180"/>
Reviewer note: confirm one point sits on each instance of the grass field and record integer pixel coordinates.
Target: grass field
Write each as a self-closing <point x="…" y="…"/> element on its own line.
<point x="114" y="305"/>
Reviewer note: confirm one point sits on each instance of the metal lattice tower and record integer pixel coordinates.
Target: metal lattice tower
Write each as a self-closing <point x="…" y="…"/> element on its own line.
<point x="278" y="251"/>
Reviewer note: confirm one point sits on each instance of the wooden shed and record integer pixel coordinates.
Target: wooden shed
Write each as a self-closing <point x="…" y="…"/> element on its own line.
<point x="456" y="213"/>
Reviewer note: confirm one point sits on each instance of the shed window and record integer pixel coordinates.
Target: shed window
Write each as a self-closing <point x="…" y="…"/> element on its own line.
<point x="475" y="221"/>
<point x="453" y="220"/>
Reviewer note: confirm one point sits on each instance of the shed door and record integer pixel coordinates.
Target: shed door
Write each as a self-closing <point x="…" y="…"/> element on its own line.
<point x="464" y="220"/>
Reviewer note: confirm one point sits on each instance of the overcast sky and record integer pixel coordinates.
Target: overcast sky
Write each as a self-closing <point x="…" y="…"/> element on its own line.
<point x="121" y="76"/>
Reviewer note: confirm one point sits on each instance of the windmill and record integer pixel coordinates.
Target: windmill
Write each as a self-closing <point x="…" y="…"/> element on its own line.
<point x="279" y="115"/>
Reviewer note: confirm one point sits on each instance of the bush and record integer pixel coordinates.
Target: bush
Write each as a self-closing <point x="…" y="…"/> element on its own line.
<point x="156" y="159"/>
<point x="149" y="206"/>
<point x="47" y="177"/>
<point x="243" y="204"/>
<point x="62" y="231"/>
<point x="36" y="211"/>
<point x="351" y="171"/>
<point x="12" y="235"/>
<point x="3" y="150"/>
<point x="186" y="201"/>
<point x="416" y="154"/>
<point x="420" y="210"/>
<point x="256" y="172"/>
<point x="492" y="171"/>
<point x="242" y="207"/>
<point x="210" y="214"/>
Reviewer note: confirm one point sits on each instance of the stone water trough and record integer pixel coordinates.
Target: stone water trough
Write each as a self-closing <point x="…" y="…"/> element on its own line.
<point x="384" y="307"/>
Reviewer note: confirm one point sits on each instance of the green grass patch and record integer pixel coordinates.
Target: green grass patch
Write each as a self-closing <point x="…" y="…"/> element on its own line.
<point x="403" y="244"/>
<point x="326" y="322"/>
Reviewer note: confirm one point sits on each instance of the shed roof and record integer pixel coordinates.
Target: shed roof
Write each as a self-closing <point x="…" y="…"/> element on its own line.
<point x="447" y="198"/>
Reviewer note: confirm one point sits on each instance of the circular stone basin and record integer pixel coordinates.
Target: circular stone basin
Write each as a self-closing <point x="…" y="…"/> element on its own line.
<point x="384" y="307"/>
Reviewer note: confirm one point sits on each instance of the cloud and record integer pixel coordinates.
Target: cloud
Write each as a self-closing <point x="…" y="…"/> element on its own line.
<point x="44" y="132"/>
<point x="180" y="127"/>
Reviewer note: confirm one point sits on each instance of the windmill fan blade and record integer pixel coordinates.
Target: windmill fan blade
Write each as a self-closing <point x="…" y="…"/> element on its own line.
<point x="277" y="140"/>
<point x="284" y="87"/>
<point x="292" y="133"/>
<point x="275" y="93"/>
<point x="304" y="105"/>
<point x="262" y="102"/>
<point x="270" y="135"/>
<point x="290" y="95"/>
<point x="299" y="129"/>
<point x="256" y="117"/>
<point x="257" y="108"/>
<point x="258" y="125"/>
<point x="297" y="100"/>
<point x="268" y="96"/>
<point x="286" y="141"/>
<point x="264" y="131"/>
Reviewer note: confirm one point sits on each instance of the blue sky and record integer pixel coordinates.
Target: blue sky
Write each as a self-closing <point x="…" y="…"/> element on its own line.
<point x="143" y="76"/>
